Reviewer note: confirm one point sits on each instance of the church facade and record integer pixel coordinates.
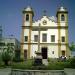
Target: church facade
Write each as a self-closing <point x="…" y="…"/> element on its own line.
<point x="48" y="35"/>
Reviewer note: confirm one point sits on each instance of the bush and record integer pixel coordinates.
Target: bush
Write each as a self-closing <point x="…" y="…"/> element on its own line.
<point x="53" y="65"/>
<point x="58" y="65"/>
<point x="72" y="63"/>
<point x="16" y="60"/>
<point x="22" y="65"/>
<point x="7" y="54"/>
<point x="41" y="67"/>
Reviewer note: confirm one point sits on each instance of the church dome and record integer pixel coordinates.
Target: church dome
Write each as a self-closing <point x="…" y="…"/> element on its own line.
<point x="28" y="9"/>
<point x="62" y="9"/>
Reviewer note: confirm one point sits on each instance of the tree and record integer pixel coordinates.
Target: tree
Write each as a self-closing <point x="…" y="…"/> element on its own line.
<point x="72" y="46"/>
<point x="7" y="54"/>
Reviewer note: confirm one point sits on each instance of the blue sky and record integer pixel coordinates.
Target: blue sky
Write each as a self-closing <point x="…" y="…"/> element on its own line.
<point x="11" y="14"/>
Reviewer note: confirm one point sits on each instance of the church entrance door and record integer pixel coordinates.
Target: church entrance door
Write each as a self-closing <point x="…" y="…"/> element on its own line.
<point x="44" y="52"/>
<point x="63" y="53"/>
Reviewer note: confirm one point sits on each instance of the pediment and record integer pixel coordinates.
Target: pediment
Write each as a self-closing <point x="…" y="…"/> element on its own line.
<point x="45" y="21"/>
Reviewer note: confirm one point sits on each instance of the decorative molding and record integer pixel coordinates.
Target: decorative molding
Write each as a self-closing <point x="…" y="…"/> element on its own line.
<point x="45" y="43"/>
<point x="44" y="27"/>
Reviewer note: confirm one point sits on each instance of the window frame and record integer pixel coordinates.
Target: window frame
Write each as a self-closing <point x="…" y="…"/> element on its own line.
<point x="44" y="37"/>
<point x="52" y="38"/>
<point x="62" y="17"/>
<point x="52" y="52"/>
<point x="25" y="38"/>
<point x="27" y="17"/>
<point x="35" y="38"/>
<point x="63" y="38"/>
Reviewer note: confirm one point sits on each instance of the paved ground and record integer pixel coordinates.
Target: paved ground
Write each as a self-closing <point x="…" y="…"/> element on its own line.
<point x="5" y="71"/>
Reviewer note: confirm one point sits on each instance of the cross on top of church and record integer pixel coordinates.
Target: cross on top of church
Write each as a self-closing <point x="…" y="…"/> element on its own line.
<point x="44" y="12"/>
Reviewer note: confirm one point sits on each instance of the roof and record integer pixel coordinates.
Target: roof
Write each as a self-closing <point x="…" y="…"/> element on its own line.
<point x="62" y="9"/>
<point x="28" y="9"/>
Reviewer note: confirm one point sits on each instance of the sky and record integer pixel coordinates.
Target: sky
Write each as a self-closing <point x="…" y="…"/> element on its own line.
<point x="11" y="14"/>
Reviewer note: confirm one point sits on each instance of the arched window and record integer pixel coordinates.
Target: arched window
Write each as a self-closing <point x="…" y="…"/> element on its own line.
<point x="27" y="17"/>
<point x="62" y="18"/>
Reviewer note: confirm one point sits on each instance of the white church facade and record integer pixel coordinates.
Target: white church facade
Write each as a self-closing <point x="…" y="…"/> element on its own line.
<point x="48" y="35"/>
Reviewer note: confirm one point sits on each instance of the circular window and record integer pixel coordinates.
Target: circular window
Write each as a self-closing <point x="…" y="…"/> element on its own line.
<point x="44" y="22"/>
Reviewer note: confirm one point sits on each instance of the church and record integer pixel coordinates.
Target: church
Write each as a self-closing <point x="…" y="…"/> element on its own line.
<point x="48" y="35"/>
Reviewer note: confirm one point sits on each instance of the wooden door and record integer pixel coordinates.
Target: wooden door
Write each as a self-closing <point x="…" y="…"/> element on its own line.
<point x="25" y="54"/>
<point x="63" y="53"/>
<point x="44" y="53"/>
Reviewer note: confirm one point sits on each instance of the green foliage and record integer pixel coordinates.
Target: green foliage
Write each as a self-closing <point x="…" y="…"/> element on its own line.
<point x="7" y="54"/>
<point x="22" y="65"/>
<point x="53" y="65"/>
<point x="72" y="63"/>
<point x="58" y="65"/>
<point x="72" y="46"/>
<point x="17" y="56"/>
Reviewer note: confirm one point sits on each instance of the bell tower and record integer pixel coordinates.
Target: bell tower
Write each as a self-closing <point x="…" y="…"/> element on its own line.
<point x="62" y="22"/>
<point x="26" y="32"/>
<point x="62" y="15"/>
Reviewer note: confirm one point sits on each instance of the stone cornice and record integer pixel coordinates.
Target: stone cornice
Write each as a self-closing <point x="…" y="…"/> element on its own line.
<point x="44" y="27"/>
<point x="46" y="43"/>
